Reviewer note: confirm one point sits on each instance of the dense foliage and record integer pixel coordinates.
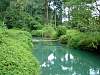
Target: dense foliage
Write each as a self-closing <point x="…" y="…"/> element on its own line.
<point x="1" y="24"/>
<point x="61" y="30"/>
<point x="85" y="41"/>
<point x="21" y="20"/>
<point x="49" y="32"/>
<point x="44" y="18"/>
<point x="38" y="33"/>
<point x="15" y="54"/>
<point x="46" y="32"/>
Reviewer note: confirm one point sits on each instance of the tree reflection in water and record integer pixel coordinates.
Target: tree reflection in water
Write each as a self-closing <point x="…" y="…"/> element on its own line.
<point x="58" y="60"/>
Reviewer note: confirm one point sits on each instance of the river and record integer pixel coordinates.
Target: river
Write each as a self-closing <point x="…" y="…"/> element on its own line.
<point x="57" y="59"/>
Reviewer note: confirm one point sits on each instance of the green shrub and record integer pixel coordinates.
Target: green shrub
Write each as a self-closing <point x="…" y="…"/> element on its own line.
<point x="63" y="39"/>
<point x="2" y="26"/>
<point x="37" y="32"/>
<point x="73" y="40"/>
<point x="71" y="32"/>
<point x="69" y="35"/>
<point x="22" y="36"/>
<point x="21" y="20"/>
<point x="36" y="25"/>
<point x="15" y="54"/>
<point x="90" y="41"/>
<point x="86" y="41"/>
<point x="61" y="30"/>
<point x="49" y="32"/>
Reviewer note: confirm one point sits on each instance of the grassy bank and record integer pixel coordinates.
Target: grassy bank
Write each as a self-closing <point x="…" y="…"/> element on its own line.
<point x="16" y="53"/>
<point x="71" y="37"/>
<point x="85" y="41"/>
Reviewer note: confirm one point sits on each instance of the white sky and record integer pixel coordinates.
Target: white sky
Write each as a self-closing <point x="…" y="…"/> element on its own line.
<point x="52" y="6"/>
<point x="96" y="12"/>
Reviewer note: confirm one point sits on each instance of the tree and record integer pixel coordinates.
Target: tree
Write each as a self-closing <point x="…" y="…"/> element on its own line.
<point x="36" y="9"/>
<point x="81" y="15"/>
<point x="56" y="8"/>
<point x="46" y="11"/>
<point x="4" y="4"/>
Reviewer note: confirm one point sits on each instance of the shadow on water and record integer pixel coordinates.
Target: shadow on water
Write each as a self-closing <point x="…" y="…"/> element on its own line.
<point x="56" y="59"/>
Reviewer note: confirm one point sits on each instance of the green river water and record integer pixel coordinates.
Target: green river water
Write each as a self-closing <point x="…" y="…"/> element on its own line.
<point x="57" y="59"/>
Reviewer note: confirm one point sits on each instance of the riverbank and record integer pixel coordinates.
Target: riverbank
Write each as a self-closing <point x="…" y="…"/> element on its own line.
<point x="71" y="37"/>
<point x="82" y="40"/>
<point x="16" y="56"/>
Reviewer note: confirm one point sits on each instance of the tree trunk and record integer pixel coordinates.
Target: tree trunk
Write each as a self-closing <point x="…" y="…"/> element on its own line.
<point x="55" y="18"/>
<point x="46" y="12"/>
<point x="68" y="13"/>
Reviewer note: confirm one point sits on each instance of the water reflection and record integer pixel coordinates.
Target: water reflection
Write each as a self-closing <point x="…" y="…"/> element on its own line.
<point x="69" y="57"/>
<point x="56" y="60"/>
<point x="94" y="71"/>
<point x="51" y="57"/>
<point x="44" y="64"/>
<point x="50" y="61"/>
<point x="66" y="68"/>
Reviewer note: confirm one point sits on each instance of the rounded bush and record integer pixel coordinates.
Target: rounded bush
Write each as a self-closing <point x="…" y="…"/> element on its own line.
<point x="61" y="30"/>
<point x="63" y="39"/>
<point x="74" y="41"/>
<point x="49" y="32"/>
<point x="72" y="32"/>
<point x="37" y="33"/>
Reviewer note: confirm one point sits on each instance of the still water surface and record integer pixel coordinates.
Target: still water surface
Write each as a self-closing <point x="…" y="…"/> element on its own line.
<point x="56" y="59"/>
